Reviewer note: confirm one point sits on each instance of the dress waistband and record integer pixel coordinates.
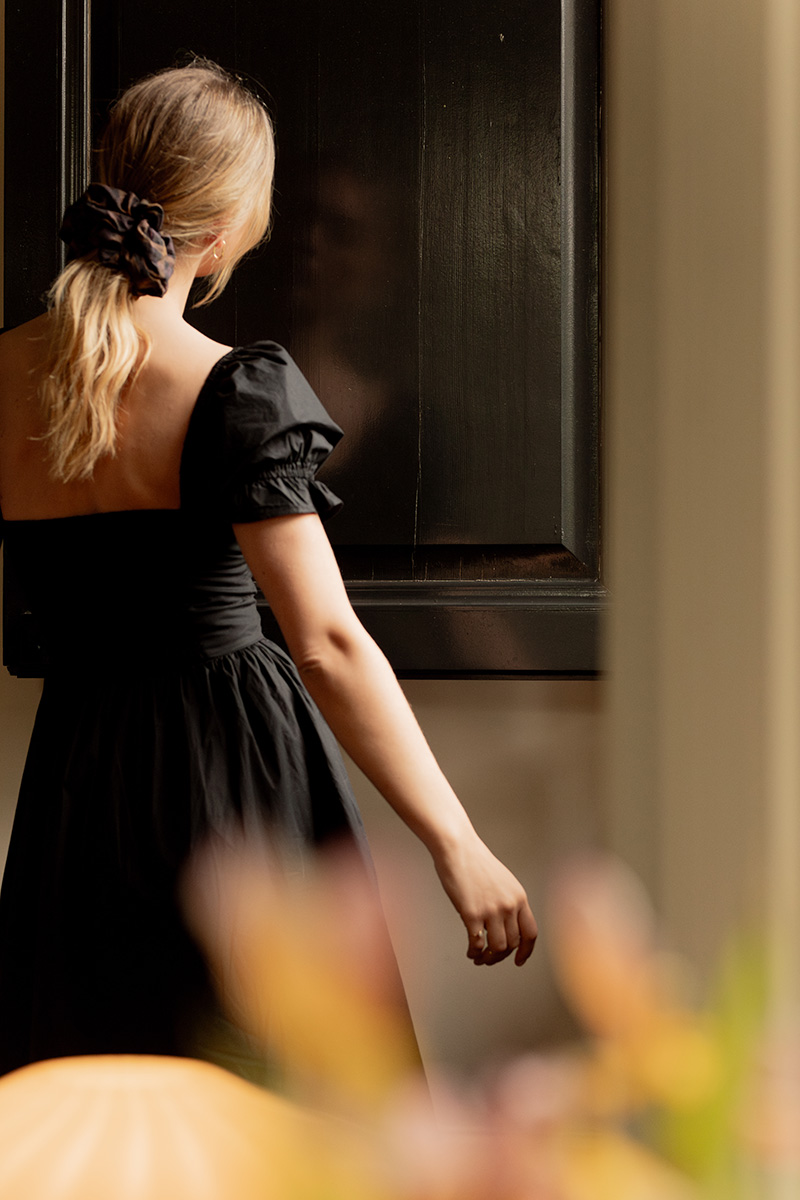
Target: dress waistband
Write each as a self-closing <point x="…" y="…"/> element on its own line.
<point x="126" y="643"/>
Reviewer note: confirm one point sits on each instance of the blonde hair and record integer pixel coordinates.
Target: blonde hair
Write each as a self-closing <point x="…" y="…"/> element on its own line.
<point x="196" y="141"/>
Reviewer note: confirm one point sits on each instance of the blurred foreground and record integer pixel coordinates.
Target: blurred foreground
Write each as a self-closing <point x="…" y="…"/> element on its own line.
<point x="659" y="1101"/>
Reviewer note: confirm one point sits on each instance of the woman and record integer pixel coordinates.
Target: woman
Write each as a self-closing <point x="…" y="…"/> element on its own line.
<point x="143" y="469"/>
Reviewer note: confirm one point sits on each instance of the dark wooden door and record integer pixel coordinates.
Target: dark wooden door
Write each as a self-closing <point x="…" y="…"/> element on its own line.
<point x="433" y="269"/>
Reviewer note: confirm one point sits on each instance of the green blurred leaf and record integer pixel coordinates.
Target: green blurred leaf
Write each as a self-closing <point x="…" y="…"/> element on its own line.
<point x="703" y="1139"/>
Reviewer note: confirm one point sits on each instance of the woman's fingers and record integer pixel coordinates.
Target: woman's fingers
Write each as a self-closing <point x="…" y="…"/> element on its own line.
<point x="496" y="939"/>
<point x="481" y="948"/>
<point x="486" y="956"/>
<point x="528" y="933"/>
<point x="502" y="937"/>
<point x="477" y="943"/>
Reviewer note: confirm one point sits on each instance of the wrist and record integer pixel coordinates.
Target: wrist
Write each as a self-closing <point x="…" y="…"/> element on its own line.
<point x="450" y="836"/>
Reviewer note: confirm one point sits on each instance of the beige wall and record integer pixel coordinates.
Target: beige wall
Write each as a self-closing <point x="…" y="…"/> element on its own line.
<point x="685" y="386"/>
<point x="702" y="329"/>
<point x="524" y="757"/>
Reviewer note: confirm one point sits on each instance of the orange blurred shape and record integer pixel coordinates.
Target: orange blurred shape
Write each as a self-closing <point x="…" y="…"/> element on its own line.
<point x="624" y="990"/>
<point x="603" y="942"/>
<point x="303" y="962"/>
<point x="152" y="1128"/>
<point x="676" y="1059"/>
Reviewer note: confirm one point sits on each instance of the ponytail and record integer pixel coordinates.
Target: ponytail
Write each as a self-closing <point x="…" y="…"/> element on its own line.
<point x="96" y="351"/>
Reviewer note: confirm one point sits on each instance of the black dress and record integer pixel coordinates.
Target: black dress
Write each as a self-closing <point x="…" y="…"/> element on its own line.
<point x="165" y="716"/>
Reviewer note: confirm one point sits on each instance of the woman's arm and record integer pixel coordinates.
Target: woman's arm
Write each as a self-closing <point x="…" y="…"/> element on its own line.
<point x="360" y="698"/>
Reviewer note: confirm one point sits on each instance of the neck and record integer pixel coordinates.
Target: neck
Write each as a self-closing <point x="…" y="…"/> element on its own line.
<point x="152" y="311"/>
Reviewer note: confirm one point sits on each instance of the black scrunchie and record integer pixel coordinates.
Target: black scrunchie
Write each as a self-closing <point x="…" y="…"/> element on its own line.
<point x="124" y="233"/>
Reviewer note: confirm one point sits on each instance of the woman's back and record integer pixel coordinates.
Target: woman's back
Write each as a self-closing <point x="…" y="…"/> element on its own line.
<point x="152" y="422"/>
<point x="139" y="564"/>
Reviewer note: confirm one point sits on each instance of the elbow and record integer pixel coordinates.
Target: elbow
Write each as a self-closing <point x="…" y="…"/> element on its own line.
<point x="328" y="657"/>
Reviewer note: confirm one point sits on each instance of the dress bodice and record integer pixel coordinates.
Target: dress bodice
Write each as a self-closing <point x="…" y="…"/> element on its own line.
<point x="132" y="587"/>
<point x="160" y="585"/>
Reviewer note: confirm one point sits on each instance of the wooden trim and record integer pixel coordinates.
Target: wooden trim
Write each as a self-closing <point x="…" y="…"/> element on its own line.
<point x="580" y="271"/>
<point x="75" y="75"/>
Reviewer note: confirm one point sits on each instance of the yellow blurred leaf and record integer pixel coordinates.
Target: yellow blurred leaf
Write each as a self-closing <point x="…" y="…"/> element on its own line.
<point x="605" y="1165"/>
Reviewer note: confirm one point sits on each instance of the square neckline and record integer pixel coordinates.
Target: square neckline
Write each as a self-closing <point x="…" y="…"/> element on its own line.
<point x="116" y="512"/>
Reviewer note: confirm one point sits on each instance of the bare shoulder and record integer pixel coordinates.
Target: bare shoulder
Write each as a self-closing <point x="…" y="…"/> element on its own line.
<point x="181" y="356"/>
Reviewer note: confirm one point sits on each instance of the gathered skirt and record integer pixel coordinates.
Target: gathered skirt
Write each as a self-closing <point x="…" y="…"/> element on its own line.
<point x="128" y="771"/>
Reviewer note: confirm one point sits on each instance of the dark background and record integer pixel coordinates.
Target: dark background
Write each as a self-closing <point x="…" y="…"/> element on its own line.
<point x="433" y="269"/>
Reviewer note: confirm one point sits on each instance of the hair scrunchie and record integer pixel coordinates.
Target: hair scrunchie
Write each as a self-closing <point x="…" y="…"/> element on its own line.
<point x="122" y="232"/>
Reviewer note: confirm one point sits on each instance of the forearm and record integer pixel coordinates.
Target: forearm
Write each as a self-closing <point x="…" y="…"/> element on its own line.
<point x="360" y="698"/>
<point x="357" y="693"/>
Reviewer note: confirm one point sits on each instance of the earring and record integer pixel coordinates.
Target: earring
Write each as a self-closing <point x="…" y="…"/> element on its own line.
<point x="221" y="245"/>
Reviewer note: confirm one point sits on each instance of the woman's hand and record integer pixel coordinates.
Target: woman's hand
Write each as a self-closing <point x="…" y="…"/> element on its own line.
<point x="488" y="898"/>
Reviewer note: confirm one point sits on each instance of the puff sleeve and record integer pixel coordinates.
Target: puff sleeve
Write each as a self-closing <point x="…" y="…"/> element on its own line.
<point x="263" y="434"/>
